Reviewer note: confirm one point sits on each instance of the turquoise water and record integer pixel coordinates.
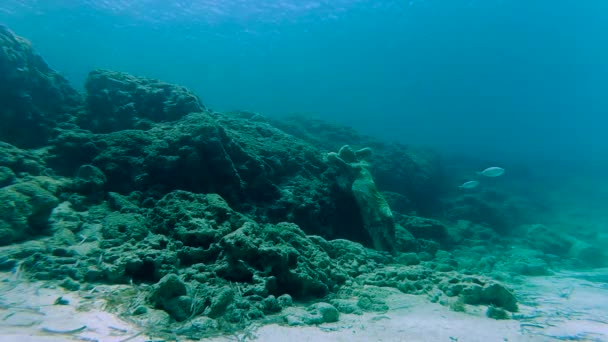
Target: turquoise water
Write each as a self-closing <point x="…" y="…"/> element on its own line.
<point x="191" y="222"/>
<point x="503" y="79"/>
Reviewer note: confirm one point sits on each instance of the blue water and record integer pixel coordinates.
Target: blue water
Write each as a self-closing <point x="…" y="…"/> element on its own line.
<point x="516" y="79"/>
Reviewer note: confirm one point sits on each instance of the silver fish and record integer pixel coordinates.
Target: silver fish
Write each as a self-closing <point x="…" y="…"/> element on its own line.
<point x="469" y="185"/>
<point x="493" y="171"/>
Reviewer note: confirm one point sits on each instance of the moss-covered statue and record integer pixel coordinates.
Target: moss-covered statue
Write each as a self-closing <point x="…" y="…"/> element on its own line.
<point x="375" y="212"/>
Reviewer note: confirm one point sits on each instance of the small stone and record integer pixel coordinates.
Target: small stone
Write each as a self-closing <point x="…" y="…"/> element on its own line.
<point x="140" y="310"/>
<point x="70" y="284"/>
<point x="61" y="301"/>
<point x="496" y="313"/>
<point x="285" y="300"/>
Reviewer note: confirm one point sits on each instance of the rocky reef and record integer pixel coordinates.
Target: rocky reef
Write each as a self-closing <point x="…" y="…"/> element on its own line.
<point x="34" y="97"/>
<point x="217" y="219"/>
<point x="117" y="101"/>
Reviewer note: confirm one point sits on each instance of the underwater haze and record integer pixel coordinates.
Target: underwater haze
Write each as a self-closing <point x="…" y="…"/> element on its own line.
<point x="498" y="78"/>
<point x="281" y="170"/>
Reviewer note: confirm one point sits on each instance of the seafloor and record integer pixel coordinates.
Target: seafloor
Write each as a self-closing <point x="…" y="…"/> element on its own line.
<point x="133" y="200"/>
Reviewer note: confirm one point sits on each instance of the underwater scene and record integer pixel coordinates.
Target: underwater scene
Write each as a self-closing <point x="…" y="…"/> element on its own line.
<point x="310" y="170"/>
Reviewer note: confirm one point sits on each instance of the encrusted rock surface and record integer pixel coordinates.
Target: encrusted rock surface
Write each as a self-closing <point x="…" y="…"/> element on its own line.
<point x="214" y="220"/>
<point x="34" y="98"/>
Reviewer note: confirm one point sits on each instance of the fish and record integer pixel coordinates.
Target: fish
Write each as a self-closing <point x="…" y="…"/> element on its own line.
<point x="469" y="185"/>
<point x="493" y="171"/>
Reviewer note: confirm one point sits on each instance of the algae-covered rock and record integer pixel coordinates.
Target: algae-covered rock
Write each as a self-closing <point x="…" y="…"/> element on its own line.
<point x="547" y="240"/>
<point x="125" y="204"/>
<point x="405" y="241"/>
<point x="519" y="260"/>
<point x="145" y="261"/>
<point x="372" y="299"/>
<point x="588" y="254"/>
<point x="122" y="227"/>
<point x="194" y="219"/>
<point x="25" y="209"/>
<point x="408" y="259"/>
<point x="353" y="258"/>
<point x="65" y="217"/>
<point x="317" y="313"/>
<point x="408" y="279"/>
<point x="499" y="210"/>
<point x="19" y="162"/>
<point x="219" y="303"/>
<point x="420" y="279"/>
<point x="171" y="295"/>
<point x="424" y="228"/>
<point x="282" y="177"/>
<point x="297" y="265"/>
<point x="89" y="180"/>
<point x="118" y="101"/>
<point x="496" y="313"/>
<point x="498" y="295"/>
<point x="190" y="154"/>
<point x="34" y="97"/>
<point x="476" y="290"/>
<point x="551" y="241"/>
<point x="7" y="176"/>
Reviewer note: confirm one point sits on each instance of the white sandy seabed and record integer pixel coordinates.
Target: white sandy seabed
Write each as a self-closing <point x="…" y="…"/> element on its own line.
<point x="563" y="307"/>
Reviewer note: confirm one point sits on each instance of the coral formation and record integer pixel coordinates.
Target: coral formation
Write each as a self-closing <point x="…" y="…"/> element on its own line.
<point x="119" y="101"/>
<point x="34" y="97"/>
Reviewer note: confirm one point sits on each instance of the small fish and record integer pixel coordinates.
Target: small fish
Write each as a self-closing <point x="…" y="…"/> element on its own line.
<point x="493" y="171"/>
<point x="469" y="185"/>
